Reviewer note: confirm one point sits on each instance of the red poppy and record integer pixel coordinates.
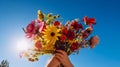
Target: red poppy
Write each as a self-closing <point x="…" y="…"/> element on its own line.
<point x="38" y="45"/>
<point x="65" y="30"/>
<point x="63" y="37"/>
<point x="85" y="34"/>
<point x="56" y="23"/>
<point x="89" y="21"/>
<point x="76" y="25"/>
<point x="80" y="26"/>
<point x="74" y="46"/>
<point x="70" y="35"/>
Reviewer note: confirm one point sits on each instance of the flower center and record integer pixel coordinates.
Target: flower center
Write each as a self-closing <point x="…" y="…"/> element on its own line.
<point x="52" y="34"/>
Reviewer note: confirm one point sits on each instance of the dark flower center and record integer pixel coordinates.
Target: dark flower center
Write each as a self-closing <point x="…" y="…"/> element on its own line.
<point x="52" y="34"/>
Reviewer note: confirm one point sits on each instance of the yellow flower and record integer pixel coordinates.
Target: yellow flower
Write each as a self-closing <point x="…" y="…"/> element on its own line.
<point x="40" y="15"/>
<point x="48" y="47"/>
<point x="72" y="41"/>
<point x="37" y="38"/>
<point x="51" y="34"/>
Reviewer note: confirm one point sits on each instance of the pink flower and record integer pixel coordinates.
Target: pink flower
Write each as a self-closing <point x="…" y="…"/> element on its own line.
<point x="40" y="25"/>
<point x="38" y="45"/>
<point x="30" y="29"/>
<point x="21" y="54"/>
<point x="94" y="41"/>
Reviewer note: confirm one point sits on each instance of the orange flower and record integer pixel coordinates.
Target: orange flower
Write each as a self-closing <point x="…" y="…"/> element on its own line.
<point x="94" y="41"/>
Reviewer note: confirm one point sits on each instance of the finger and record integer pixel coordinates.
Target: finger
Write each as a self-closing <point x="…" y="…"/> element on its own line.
<point x="62" y="61"/>
<point x="59" y="55"/>
<point x="62" y="52"/>
<point x="59" y="59"/>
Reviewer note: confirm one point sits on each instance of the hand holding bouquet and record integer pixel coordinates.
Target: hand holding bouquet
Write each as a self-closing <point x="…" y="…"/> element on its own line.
<point x="48" y="35"/>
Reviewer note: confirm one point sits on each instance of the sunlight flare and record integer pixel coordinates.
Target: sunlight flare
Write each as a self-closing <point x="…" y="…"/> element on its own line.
<point x="23" y="45"/>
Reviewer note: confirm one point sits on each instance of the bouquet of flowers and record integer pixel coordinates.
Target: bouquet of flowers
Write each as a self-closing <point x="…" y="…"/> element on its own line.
<point x="48" y="34"/>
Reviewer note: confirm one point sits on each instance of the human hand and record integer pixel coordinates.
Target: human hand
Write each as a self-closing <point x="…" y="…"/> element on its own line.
<point x="63" y="58"/>
<point x="53" y="62"/>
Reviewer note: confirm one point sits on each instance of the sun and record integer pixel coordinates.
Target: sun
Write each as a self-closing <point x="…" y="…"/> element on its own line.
<point x="23" y="45"/>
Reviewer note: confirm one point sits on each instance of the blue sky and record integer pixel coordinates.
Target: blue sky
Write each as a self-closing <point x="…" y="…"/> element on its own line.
<point x="15" y="14"/>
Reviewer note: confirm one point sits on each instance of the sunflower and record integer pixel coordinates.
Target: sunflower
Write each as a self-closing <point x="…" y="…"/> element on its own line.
<point x="51" y="34"/>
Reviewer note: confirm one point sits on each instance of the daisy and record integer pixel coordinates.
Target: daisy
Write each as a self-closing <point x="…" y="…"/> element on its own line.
<point x="51" y="34"/>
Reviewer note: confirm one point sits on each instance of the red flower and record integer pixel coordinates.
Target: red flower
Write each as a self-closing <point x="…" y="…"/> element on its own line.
<point x="30" y="30"/>
<point x="87" y="32"/>
<point x="70" y="35"/>
<point x="74" y="46"/>
<point x="76" y="25"/>
<point x="85" y="35"/>
<point x="56" y="23"/>
<point x="80" y="26"/>
<point x="63" y="37"/>
<point x="89" y="21"/>
<point x="65" y="30"/>
<point x="38" y="45"/>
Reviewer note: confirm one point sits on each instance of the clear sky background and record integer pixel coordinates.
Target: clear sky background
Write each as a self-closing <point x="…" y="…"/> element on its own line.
<point x="15" y="14"/>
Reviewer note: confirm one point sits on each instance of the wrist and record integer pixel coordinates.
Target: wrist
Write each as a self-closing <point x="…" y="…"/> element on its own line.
<point x="68" y="64"/>
<point x="53" y="62"/>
